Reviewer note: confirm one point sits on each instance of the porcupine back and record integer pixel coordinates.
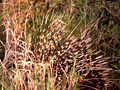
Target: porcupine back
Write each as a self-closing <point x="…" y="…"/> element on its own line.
<point x="54" y="45"/>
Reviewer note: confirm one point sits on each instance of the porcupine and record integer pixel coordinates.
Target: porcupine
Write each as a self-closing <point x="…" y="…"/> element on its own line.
<point x="55" y="45"/>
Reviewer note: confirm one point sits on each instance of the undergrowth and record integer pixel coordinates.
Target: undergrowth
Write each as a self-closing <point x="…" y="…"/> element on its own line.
<point x="59" y="45"/>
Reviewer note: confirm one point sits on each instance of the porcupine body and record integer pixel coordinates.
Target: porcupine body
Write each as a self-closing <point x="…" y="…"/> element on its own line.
<point x="55" y="45"/>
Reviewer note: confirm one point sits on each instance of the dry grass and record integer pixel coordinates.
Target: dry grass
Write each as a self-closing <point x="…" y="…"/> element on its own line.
<point x="41" y="54"/>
